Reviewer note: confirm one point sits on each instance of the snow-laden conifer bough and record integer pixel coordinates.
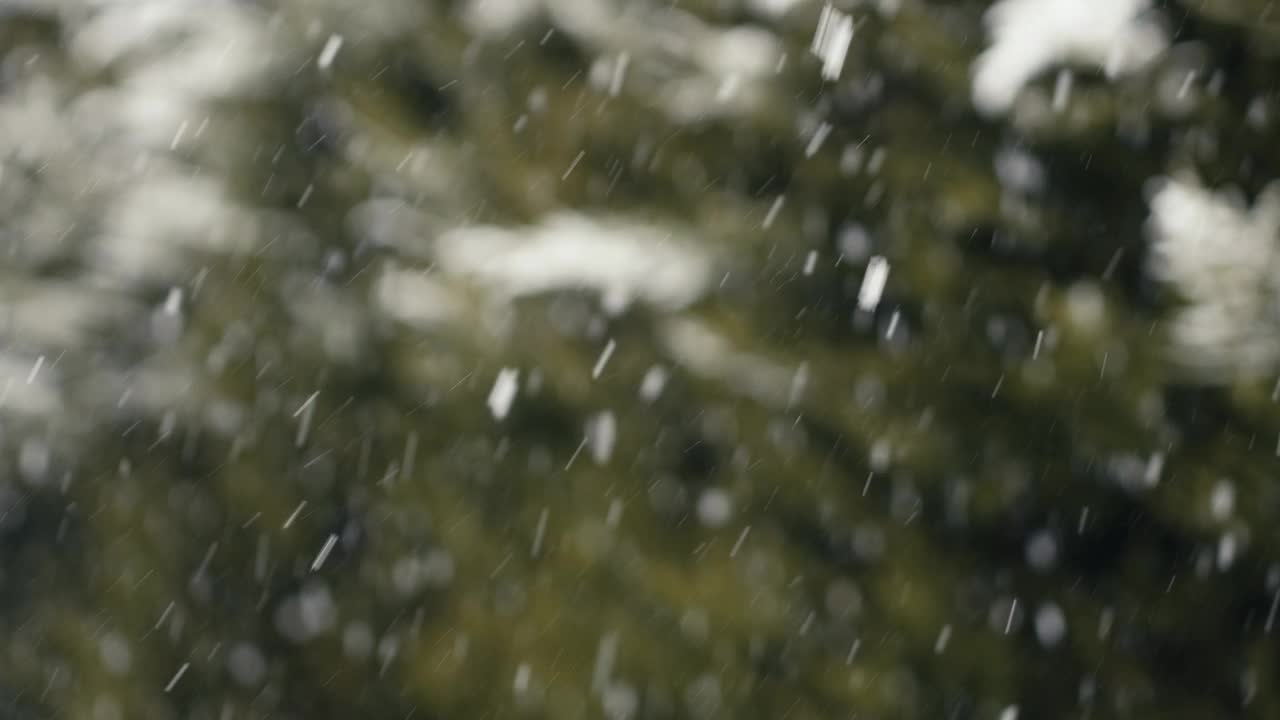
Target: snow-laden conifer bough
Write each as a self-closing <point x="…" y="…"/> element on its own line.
<point x="1222" y="257"/>
<point x="140" y="186"/>
<point x="692" y="69"/>
<point x="1028" y="37"/>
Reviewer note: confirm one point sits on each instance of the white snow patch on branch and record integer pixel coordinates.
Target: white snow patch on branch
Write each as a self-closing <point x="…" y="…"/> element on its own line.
<point x="1031" y="36"/>
<point x="414" y="298"/>
<point x="621" y="261"/>
<point x="38" y="396"/>
<point x="224" y="48"/>
<point x="1222" y="258"/>
<point x="701" y="350"/>
<point x="690" y="68"/>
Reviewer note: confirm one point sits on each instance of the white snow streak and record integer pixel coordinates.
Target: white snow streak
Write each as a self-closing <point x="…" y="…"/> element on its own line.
<point x="504" y="392"/>
<point x="873" y="283"/>
<point x="831" y="41"/>
<point x="329" y="52"/>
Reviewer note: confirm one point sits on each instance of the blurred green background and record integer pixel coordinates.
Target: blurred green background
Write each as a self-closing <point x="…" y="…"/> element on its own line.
<point x="993" y="495"/>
